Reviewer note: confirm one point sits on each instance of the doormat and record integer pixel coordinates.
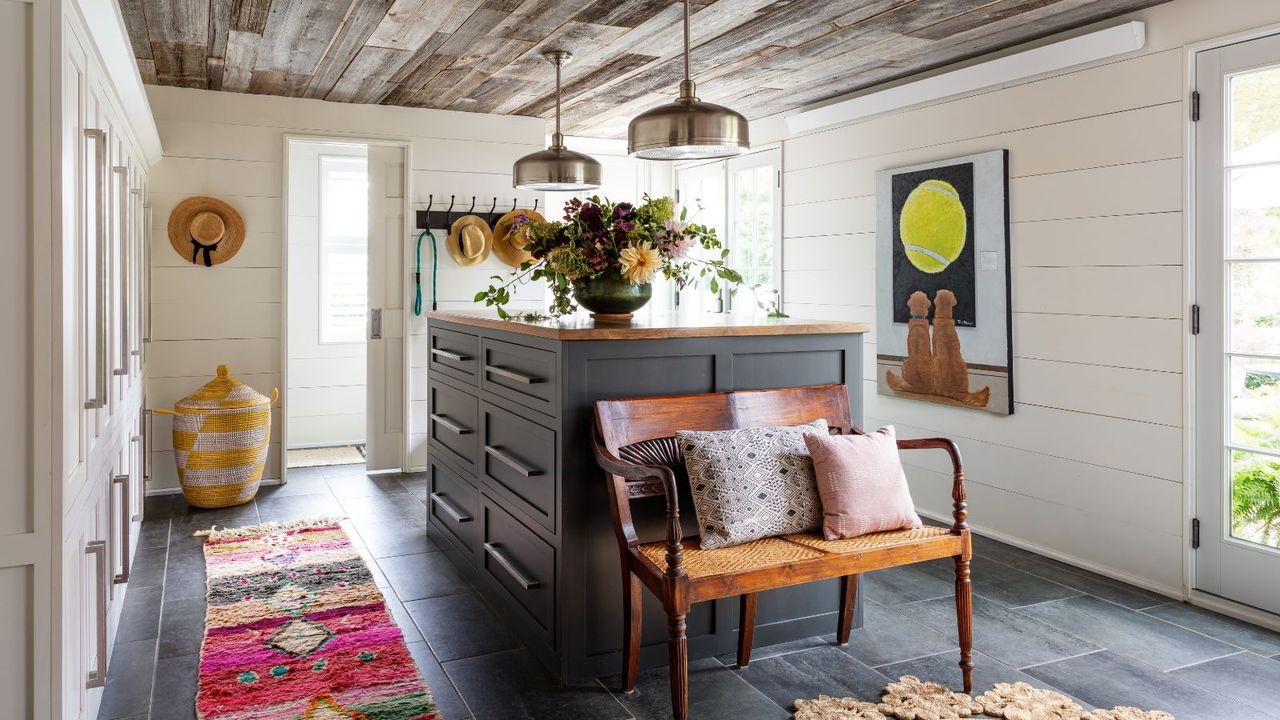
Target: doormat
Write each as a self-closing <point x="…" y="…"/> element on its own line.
<point x="319" y="457"/>
<point x="911" y="698"/>
<point x="297" y="629"/>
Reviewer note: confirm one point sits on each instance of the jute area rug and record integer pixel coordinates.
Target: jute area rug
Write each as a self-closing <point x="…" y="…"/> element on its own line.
<point x="296" y="629"/>
<point x="913" y="699"/>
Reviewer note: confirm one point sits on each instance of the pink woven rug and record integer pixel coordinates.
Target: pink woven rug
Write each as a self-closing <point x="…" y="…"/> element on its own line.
<point x="296" y="629"/>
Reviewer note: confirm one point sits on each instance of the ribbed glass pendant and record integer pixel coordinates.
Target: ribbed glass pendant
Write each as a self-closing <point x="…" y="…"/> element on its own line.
<point x="557" y="168"/>
<point x="687" y="128"/>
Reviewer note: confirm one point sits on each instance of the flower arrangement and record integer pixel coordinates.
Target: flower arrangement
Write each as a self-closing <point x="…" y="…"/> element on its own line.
<point x="601" y="241"/>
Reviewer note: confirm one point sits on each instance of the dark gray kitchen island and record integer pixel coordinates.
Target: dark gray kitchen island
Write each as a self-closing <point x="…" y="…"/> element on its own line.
<point x="518" y="503"/>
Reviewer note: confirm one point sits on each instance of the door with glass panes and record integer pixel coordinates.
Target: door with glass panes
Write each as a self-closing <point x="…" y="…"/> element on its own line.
<point x="1237" y="349"/>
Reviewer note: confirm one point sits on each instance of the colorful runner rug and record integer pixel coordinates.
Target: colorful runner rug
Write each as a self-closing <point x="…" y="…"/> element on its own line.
<point x="296" y="629"/>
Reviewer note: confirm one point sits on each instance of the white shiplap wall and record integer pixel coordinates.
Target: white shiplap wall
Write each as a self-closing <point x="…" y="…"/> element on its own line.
<point x="1090" y="466"/>
<point x="232" y="146"/>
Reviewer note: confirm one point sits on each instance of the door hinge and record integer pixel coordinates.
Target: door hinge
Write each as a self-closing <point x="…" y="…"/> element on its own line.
<point x="1195" y="533"/>
<point x="1195" y="319"/>
<point x="1195" y="106"/>
<point x="677" y="196"/>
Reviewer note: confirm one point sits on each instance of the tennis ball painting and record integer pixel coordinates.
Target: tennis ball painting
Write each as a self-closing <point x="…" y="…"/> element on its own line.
<point x="933" y="226"/>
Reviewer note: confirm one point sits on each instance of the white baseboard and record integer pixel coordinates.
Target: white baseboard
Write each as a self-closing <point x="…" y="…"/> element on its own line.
<point x="177" y="490"/>
<point x="1173" y="593"/>
<point x="1236" y="610"/>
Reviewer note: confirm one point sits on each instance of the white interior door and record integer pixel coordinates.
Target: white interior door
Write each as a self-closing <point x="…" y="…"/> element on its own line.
<point x="385" y="364"/>
<point x="1237" y="235"/>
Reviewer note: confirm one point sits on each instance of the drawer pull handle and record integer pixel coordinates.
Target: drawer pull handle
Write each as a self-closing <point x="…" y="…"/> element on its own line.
<point x="449" y="509"/>
<point x="98" y="676"/>
<point x="126" y="502"/>
<point x="510" y="567"/>
<point x="449" y="355"/>
<point x="511" y="462"/>
<point x="512" y="375"/>
<point x="450" y="425"/>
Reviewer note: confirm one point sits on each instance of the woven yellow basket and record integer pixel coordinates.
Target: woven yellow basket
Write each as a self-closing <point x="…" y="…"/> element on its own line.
<point x="221" y="434"/>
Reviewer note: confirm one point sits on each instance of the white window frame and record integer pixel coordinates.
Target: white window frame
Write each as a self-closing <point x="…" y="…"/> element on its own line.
<point x="322" y="252"/>
<point x="726" y="228"/>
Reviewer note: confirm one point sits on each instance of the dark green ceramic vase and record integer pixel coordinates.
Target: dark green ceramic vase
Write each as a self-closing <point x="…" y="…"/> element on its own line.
<point x="611" y="295"/>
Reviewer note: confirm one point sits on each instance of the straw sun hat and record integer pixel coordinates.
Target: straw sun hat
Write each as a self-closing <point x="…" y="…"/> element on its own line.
<point x="510" y="246"/>
<point x="205" y="230"/>
<point x="470" y="240"/>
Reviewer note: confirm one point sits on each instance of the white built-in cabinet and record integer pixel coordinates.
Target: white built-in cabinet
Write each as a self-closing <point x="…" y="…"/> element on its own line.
<point x="102" y="426"/>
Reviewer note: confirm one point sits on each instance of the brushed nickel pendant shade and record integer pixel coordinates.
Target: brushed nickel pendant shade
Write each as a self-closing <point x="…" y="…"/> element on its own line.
<point x="557" y="168"/>
<point x="687" y="128"/>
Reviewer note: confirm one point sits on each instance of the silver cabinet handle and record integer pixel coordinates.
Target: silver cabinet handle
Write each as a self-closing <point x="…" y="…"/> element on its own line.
<point x="98" y="676"/>
<point x="511" y="462"/>
<point x="497" y="554"/>
<point x="449" y="509"/>
<point x="449" y="355"/>
<point x="146" y="269"/>
<point x="450" y="425"/>
<point x="99" y="138"/>
<point x="125" y="498"/>
<point x="512" y="375"/>
<point x="123" y="259"/>
<point x="147" y="431"/>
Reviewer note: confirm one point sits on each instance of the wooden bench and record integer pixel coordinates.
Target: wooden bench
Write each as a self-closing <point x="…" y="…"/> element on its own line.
<point x="634" y="443"/>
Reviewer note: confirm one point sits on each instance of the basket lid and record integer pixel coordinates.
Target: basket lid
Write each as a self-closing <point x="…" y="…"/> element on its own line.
<point x="224" y="392"/>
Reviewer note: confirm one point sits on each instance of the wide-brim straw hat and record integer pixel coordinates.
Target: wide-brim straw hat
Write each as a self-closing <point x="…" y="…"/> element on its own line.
<point x="509" y="246"/>
<point x="470" y="240"/>
<point x="205" y="230"/>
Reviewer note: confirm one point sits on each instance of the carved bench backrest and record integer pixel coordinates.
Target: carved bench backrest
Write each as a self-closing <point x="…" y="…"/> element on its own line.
<point x="642" y="430"/>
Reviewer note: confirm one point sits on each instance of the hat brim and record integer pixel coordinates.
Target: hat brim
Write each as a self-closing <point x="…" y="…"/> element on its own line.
<point x="180" y="230"/>
<point x="454" y="241"/>
<point x="503" y="237"/>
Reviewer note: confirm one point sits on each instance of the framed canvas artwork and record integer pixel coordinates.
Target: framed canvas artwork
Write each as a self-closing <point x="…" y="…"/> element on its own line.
<point x="944" y="324"/>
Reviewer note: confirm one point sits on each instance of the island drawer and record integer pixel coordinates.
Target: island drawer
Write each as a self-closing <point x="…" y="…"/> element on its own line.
<point x="454" y="507"/>
<point x="518" y="459"/>
<point x="453" y="418"/>
<point x="526" y="375"/>
<point x="454" y="353"/>
<point x="521" y="562"/>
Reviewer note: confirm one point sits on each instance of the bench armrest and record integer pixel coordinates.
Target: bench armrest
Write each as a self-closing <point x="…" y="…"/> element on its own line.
<point x="615" y="466"/>
<point x="959" y="509"/>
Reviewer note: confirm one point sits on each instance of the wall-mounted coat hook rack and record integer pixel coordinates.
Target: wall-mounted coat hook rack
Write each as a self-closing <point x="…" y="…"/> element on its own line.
<point x="489" y="217"/>
<point x="429" y="218"/>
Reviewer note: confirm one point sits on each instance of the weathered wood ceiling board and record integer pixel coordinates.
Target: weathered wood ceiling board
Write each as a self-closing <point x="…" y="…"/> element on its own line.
<point x="758" y="56"/>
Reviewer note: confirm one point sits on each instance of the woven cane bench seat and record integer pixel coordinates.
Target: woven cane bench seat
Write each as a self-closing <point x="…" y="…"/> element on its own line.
<point x="784" y="550"/>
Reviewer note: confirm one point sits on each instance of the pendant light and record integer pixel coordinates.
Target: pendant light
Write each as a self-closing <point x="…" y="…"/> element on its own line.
<point x="687" y="128"/>
<point x="557" y="168"/>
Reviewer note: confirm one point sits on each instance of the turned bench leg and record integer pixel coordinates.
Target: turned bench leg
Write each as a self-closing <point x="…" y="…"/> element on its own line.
<point x="848" y="600"/>
<point x="678" y="665"/>
<point x="746" y="628"/>
<point x="964" y="619"/>
<point x="632" y="614"/>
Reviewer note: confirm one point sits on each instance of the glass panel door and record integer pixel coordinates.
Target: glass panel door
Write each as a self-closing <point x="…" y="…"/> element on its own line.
<point x="1237" y="190"/>
<point x="755" y="230"/>
<point x="700" y="195"/>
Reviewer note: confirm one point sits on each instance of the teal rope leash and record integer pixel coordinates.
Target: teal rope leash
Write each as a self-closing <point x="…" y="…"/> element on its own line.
<point x="417" y="272"/>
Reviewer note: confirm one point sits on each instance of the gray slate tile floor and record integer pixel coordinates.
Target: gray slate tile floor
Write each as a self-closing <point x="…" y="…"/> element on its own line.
<point x="1036" y="620"/>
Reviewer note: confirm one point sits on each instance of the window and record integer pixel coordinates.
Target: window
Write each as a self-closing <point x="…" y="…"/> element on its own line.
<point x="739" y="198"/>
<point x="344" y="248"/>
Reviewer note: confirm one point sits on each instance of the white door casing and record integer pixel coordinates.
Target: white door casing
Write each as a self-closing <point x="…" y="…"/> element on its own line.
<point x="1236" y="189"/>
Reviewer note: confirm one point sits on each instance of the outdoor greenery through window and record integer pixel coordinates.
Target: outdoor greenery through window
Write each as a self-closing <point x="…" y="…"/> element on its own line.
<point x="1253" y="277"/>
<point x="344" y="248"/>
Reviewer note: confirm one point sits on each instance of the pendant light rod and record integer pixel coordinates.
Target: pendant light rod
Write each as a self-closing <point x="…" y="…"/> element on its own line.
<point x="686" y="87"/>
<point x="557" y="58"/>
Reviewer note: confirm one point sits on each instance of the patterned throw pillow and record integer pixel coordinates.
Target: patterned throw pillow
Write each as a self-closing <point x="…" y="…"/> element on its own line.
<point x="751" y="483"/>
<point x="862" y="484"/>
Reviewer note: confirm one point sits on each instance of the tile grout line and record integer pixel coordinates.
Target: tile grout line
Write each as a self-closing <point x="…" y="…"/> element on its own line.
<point x="911" y="659"/>
<point x="1024" y="668"/>
<point x="1206" y="660"/>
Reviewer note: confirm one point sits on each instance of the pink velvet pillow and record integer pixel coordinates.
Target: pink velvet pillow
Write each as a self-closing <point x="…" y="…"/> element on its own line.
<point x="861" y="484"/>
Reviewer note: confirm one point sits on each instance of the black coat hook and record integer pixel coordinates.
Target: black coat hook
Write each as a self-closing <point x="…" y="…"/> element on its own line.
<point x="491" y="209"/>
<point x="535" y="204"/>
<point x="448" y="214"/>
<point x="473" y="205"/>
<point x="515" y="202"/>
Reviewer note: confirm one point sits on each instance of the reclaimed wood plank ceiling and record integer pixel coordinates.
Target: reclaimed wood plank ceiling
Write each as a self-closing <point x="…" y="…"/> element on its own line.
<point x="758" y="56"/>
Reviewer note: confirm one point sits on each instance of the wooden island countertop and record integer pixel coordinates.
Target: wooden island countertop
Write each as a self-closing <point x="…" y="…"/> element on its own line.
<point x="645" y="326"/>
